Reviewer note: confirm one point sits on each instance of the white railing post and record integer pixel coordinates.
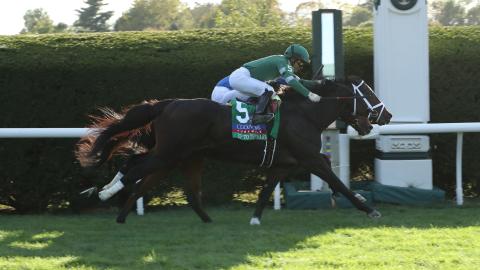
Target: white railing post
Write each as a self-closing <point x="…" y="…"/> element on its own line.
<point x="344" y="158"/>
<point x="459" y="188"/>
<point x="140" y="209"/>
<point x="276" y="197"/>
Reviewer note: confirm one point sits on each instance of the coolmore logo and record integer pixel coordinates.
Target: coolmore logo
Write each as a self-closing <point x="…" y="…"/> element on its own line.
<point x="403" y="4"/>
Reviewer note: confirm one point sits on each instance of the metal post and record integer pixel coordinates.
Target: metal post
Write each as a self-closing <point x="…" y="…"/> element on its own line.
<point x="459" y="169"/>
<point x="140" y="209"/>
<point x="276" y="197"/>
<point x="344" y="158"/>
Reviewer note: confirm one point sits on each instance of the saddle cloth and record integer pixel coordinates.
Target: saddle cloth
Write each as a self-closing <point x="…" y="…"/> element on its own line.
<point x="242" y="127"/>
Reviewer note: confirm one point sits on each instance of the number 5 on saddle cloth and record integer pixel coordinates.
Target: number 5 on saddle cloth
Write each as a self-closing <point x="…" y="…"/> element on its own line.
<point x="243" y="129"/>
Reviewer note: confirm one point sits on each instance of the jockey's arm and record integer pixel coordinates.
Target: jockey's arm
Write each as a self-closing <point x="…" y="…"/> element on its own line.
<point x="292" y="81"/>
<point x="286" y="71"/>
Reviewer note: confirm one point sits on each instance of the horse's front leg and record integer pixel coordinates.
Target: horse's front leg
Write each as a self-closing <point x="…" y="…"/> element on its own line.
<point x="334" y="191"/>
<point x="318" y="166"/>
<point x="274" y="176"/>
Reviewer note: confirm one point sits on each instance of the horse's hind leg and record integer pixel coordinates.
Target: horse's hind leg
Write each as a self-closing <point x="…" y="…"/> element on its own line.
<point x="139" y="191"/>
<point x="115" y="185"/>
<point x="153" y="164"/>
<point x="192" y="169"/>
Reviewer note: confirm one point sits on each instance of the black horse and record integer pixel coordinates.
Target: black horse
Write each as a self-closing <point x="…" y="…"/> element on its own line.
<point x="189" y="130"/>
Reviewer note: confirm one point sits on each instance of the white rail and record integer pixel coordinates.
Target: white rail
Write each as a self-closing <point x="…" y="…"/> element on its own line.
<point x="44" y="132"/>
<point x="416" y="129"/>
<point x="54" y="133"/>
<point x="458" y="128"/>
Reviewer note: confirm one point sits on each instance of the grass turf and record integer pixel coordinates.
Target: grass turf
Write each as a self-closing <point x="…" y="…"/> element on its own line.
<point x="405" y="238"/>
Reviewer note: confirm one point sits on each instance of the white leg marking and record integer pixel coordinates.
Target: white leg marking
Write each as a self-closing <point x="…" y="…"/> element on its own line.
<point x="108" y="193"/>
<point x="360" y="197"/>
<point x="115" y="179"/>
<point x="254" y="221"/>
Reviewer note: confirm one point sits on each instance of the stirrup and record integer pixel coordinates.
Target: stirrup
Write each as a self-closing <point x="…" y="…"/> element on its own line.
<point x="262" y="118"/>
<point x="263" y="102"/>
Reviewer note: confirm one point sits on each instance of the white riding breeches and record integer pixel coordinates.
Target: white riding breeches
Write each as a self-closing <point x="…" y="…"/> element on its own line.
<point x="244" y="86"/>
<point x="223" y="95"/>
<point x="241" y="80"/>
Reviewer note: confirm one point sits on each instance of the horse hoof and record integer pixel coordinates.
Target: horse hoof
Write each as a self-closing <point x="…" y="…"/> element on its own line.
<point x="333" y="201"/>
<point x="374" y="214"/>
<point x="120" y="220"/>
<point x="255" y="221"/>
<point x="87" y="193"/>
<point x="207" y="220"/>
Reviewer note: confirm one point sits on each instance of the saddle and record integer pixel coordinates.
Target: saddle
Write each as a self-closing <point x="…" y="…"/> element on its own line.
<point x="264" y="112"/>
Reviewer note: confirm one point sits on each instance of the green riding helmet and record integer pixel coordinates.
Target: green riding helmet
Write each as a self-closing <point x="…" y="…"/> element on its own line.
<point x="298" y="52"/>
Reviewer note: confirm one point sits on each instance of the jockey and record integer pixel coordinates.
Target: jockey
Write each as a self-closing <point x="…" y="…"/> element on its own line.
<point x="249" y="80"/>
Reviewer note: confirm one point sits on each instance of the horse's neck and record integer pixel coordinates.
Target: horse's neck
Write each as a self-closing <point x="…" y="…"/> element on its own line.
<point x="321" y="115"/>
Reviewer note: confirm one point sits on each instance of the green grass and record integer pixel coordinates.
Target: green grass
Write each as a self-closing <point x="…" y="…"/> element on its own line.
<point x="405" y="238"/>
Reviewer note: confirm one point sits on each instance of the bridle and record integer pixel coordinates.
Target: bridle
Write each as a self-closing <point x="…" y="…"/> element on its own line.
<point x="374" y="111"/>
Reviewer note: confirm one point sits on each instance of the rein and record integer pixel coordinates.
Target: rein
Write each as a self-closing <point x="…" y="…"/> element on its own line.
<point x="343" y="98"/>
<point x="374" y="111"/>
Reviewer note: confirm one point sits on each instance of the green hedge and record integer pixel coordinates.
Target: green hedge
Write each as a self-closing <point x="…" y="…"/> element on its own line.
<point x="56" y="80"/>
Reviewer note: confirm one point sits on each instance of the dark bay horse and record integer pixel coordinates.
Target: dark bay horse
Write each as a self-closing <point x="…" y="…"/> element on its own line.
<point x="189" y="130"/>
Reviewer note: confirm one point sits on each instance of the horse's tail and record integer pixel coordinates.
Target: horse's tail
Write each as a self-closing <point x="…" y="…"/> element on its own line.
<point x="116" y="131"/>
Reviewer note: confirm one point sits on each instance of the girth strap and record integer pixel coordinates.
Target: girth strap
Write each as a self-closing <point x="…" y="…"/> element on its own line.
<point x="269" y="152"/>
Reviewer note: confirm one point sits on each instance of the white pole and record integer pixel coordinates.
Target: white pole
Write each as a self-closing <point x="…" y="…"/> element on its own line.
<point x="459" y="169"/>
<point x="140" y="210"/>
<point x="344" y="158"/>
<point x="276" y="197"/>
<point x="416" y="129"/>
<point x="44" y="132"/>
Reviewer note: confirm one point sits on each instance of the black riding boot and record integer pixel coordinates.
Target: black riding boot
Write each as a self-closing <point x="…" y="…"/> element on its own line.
<point x="260" y="111"/>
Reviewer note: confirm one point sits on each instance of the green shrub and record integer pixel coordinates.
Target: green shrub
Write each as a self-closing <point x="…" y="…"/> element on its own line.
<point x="57" y="80"/>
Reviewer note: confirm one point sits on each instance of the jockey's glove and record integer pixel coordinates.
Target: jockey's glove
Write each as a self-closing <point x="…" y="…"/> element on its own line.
<point x="314" y="97"/>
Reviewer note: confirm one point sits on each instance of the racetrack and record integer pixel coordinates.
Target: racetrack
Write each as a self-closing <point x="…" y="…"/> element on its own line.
<point x="441" y="237"/>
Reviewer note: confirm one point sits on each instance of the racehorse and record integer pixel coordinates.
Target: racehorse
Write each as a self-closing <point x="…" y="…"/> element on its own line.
<point x="189" y="130"/>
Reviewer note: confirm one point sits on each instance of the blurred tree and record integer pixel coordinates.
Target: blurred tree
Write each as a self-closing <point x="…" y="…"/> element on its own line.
<point x="155" y="14"/>
<point x="204" y="15"/>
<point x="473" y="16"/>
<point x="270" y="13"/>
<point x="61" y="27"/>
<point x="248" y="13"/>
<point x="37" y="21"/>
<point x="303" y="13"/>
<point x="302" y="16"/>
<point x="449" y="12"/>
<point x="359" y="15"/>
<point x="90" y="19"/>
